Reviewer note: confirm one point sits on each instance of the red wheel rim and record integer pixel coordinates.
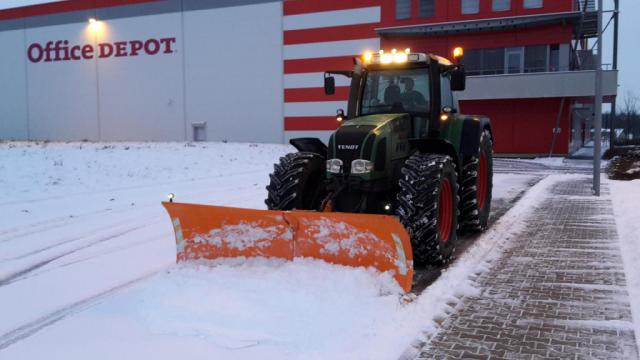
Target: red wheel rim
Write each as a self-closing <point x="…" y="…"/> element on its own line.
<point x="481" y="182"/>
<point x="445" y="210"/>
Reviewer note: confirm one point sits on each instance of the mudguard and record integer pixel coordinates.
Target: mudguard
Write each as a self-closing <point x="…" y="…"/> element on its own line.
<point x="313" y="145"/>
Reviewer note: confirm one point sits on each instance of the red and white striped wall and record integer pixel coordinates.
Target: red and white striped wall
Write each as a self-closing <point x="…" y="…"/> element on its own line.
<point x="320" y="36"/>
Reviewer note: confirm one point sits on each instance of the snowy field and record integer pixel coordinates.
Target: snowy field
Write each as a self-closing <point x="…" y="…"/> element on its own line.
<point x="626" y="201"/>
<point x="87" y="263"/>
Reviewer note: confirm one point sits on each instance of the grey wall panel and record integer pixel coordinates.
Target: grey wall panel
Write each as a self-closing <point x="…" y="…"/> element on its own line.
<point x="141" y="97"/>
<point x="64" y="18"/>
<point x="13" y="91"/>
<point x="537" y="85"/>
<point x="62" y="96"/>
<point x="142" y="9"/>
<point x="210" y="4"/>
<point x="233" y="67"/>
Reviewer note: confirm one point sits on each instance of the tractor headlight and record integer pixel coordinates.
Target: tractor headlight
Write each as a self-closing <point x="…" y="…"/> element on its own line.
<point x="360" y="166"/>
<point x="334" y="166"/>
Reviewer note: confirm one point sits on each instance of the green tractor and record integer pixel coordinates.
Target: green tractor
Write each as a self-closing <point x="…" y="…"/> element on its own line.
<point x="403" y="149"/>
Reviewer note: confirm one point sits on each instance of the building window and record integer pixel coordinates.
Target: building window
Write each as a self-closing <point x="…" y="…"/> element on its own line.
<point x="470" y="6"/>
<point x="426" y="8"/>
<point x="473" y="61"/>
<point x="403" y="9"/>
<point x="513" y="60"/>
<point x="516" y="60"/>
<point x="532" y="4"/>
<point x="501" y="5"/>
<point x="554" y="57"/>
<point x="535" y="58"/>
<point x="492" y="61"/>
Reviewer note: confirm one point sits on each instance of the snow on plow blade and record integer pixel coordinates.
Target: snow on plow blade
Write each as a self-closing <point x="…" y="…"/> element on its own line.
<point x="213" y="232"/>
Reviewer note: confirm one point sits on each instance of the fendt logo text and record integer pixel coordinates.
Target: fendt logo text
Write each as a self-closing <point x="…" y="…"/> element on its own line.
<point x="347" y="147"/>
<point x="61" y="50"/>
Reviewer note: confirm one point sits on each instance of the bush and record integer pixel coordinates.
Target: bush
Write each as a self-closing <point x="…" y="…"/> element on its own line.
<point x="625" y="165"/>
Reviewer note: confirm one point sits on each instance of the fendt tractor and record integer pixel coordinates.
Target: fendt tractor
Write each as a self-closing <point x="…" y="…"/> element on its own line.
<point x="400" y="177"/>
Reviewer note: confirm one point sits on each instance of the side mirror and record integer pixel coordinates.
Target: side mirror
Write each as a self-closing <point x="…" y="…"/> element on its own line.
<point x="340" y="115"/>
<point x="458" y="79"/>
<point x="329" y="85"/>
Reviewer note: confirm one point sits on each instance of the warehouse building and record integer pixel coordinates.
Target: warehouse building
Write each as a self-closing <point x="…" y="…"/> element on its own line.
<point x="252" y="70"/>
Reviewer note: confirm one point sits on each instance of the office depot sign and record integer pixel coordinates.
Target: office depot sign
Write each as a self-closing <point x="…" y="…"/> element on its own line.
<point x="62" y="50"/>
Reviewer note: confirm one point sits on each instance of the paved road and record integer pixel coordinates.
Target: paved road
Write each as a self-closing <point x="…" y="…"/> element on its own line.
<point x="558" y="292"/>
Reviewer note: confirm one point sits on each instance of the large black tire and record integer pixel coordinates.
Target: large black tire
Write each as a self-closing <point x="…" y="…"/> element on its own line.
<point x="422" y="209"/>
<point x="475" y="193"/>
<point x="297" y="182"/>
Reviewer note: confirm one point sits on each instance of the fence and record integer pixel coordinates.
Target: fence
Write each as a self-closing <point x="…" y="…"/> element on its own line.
<point x="626" y="128"/>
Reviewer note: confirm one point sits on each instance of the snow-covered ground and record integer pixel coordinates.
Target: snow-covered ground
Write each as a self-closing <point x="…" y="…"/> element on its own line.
<point x="626" y="206"/>
<point x="87" y="263"/>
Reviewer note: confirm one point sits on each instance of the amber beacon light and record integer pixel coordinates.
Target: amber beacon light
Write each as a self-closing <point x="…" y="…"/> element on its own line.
<point x="458" y="52"/>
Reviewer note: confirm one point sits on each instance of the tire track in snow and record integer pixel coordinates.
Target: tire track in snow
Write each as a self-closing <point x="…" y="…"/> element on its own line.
<point x="28" y="272"/>
<point x="60" y="243"/>
<point x="61" y="223"/>
<point x="240" y="199"/>
<point x="134" y="187"/>
<point x="45" y="225"/>
<point x="86" y="258"/>
<point x="22" y="273"/>
<point x="33" y="327"/>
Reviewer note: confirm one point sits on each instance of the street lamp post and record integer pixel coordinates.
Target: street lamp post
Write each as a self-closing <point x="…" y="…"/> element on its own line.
<point x="597" y="141"/>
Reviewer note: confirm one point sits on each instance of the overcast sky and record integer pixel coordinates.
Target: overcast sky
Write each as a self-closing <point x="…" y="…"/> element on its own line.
<point x="628" y="52"/>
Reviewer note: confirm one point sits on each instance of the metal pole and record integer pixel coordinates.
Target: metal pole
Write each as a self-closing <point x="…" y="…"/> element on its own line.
<point x="612" y="117"/>
<point x="597" y="121"/>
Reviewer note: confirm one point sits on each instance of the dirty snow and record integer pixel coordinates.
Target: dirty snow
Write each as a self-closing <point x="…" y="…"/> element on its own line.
<point x="87" y="264"/>
<point x="626" y="203"/>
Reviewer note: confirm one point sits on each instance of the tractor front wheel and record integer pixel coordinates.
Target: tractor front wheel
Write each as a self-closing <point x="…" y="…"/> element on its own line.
<point x="428" y="207"/>
<point x="297" y="182"/>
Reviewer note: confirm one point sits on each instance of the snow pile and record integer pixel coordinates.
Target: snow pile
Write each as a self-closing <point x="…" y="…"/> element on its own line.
<point x="626" y="203"/>
<point x="305" y="309"/>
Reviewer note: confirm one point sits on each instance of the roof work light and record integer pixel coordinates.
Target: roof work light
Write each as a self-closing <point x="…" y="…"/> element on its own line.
<point x="393" y="57"/>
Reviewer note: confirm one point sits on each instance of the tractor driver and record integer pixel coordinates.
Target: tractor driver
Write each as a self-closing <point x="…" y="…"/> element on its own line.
<point x="412" y="99"/>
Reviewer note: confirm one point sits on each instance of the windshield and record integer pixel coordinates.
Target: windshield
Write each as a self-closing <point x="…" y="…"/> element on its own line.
<point x="396" y="91"/>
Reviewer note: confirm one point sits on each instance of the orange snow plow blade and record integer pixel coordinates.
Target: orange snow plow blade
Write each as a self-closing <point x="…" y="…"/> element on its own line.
<point x="213" y="232"/>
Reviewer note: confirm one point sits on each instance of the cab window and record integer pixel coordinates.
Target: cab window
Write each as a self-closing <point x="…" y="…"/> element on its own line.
<point x="396" y="91"/>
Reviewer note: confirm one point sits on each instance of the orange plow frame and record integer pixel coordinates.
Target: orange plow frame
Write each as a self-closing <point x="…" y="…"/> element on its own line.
<point x="213" y="232"/>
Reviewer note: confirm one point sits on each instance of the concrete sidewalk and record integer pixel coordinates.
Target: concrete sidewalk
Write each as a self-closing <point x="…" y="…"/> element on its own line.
<point x="557" y="292"/>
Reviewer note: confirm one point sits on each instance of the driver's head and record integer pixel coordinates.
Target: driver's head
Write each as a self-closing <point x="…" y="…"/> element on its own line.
<point x="408" y="84"/>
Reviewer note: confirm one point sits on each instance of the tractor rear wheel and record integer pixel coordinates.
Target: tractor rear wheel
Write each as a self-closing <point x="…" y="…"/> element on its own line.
<point x="476" y="187"/>
<point x="297" y="182"/>
<point x="428" y="207"/>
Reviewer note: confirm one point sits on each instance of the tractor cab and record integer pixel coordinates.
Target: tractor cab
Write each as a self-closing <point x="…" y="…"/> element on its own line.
<point x="417" y="84"/>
